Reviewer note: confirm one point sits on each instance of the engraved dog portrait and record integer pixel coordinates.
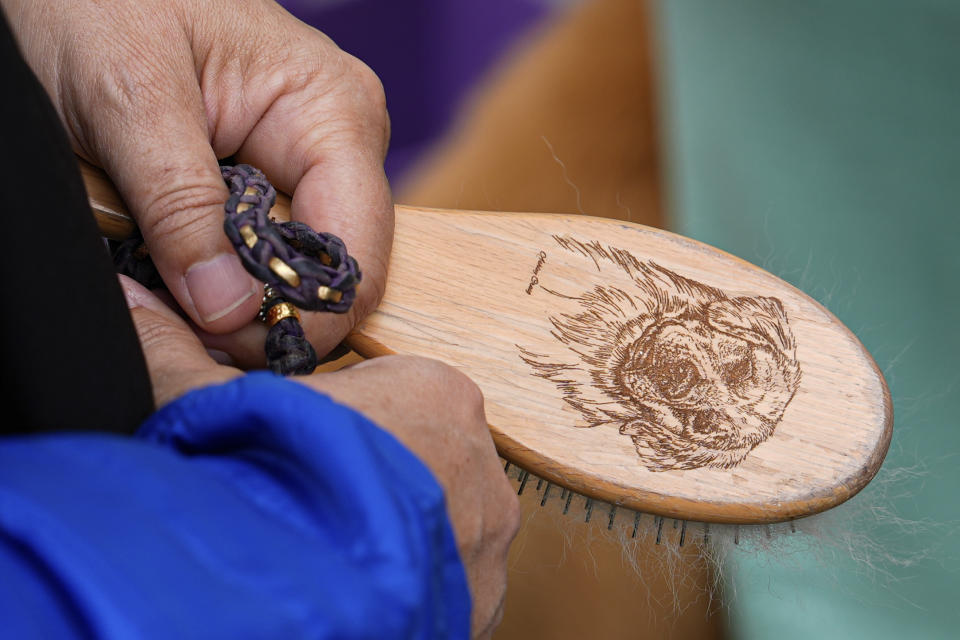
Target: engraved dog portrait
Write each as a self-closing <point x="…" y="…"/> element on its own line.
<point x="694" y="377"/>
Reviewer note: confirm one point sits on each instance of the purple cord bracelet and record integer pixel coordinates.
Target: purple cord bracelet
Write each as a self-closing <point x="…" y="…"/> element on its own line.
<point x="298" y="266"/>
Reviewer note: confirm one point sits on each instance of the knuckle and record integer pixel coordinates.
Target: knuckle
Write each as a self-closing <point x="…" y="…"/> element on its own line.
<point x="120" y="87"/>
<point x="133" y="85"/>
<point x="370" y="86"/>
<point x="426" y="373"/>
<point x="349" y="110"/>
<point x="366" y="89"/>
<point x="467" y="391"/>
<point x="502" y="521"/>
<point x="179" y="211"/>
<point x="461" y="395"/>
<point x="433" y="372"/>
<point x="364" y="100"/>
<point x="512" y="517"/>
<point x="467" y="397"/>
<point x="412" y="363"/>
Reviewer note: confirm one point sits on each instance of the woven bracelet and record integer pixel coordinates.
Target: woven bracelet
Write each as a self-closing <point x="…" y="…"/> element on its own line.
<point x="300" y="268"/>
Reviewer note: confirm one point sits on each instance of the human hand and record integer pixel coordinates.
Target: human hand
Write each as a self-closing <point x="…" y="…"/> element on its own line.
<point x="435" y="411"/>
<point x="154" y="91"/>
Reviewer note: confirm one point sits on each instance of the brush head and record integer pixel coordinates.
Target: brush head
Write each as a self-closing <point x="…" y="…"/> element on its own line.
<point x="636" y="366"/>
<point x="628" y="364"/>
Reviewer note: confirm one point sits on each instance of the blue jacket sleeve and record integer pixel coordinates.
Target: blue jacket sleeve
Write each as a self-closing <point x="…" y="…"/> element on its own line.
<point x="255" y="509"/>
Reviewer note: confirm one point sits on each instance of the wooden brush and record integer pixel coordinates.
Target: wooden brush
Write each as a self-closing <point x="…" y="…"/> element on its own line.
<point x="628" y="364"/>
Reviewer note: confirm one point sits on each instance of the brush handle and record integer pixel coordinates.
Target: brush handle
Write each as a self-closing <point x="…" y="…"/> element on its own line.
<point x="626" y="363"/>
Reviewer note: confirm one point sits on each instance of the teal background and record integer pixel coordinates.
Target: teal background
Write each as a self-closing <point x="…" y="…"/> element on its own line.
<point x="821" y="140"/>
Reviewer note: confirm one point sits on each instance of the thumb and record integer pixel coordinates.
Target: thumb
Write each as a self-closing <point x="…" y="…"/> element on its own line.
<point x="157" y="150"/>
<point x="177" y="197"/>
<point x="176" y="360"/>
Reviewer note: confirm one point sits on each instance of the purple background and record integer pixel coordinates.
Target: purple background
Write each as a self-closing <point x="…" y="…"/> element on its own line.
<point x="427" y="53"/>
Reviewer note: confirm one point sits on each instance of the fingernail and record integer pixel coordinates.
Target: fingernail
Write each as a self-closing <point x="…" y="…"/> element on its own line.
<point x="137" y="295"/>
<point x="129" y="293"/>
<point x="218" y="286"/>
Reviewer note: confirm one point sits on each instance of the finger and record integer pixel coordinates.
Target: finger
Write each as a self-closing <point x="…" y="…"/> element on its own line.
<point x="176" y="360"/>
<point x="245" y="346"/>
<point x="150" y="133"/>
<point x="339" y="351"/>
<point x="328" y="149"/>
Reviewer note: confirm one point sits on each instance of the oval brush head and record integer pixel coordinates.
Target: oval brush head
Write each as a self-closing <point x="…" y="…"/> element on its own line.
<point x="636" y="366"/>
<point x="630" y="364"/>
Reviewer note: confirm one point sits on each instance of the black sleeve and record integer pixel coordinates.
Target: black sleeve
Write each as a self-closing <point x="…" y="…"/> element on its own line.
<point x="71" y="358"/>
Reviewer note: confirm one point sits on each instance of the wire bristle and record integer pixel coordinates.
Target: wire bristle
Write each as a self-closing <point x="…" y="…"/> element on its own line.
<point x="546" y="493"/>
<point x="655" y="531"/>
<point x="523" y="482"/>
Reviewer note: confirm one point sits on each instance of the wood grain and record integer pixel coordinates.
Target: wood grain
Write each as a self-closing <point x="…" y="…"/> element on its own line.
<point x="479" y="290"/>
<point x="458" y="292"/>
